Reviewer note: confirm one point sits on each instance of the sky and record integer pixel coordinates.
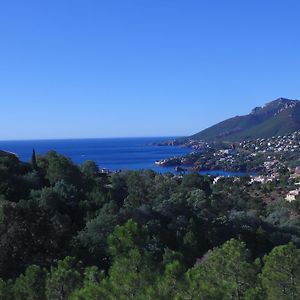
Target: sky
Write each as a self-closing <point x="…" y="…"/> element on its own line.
<point x="93" y="68"/>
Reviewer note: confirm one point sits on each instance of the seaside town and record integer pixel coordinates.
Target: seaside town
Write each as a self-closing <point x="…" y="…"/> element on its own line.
<point x="263" y="159"/>
<point x="150" y="150"/>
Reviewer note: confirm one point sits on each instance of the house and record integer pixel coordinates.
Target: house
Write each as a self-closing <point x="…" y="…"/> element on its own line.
<point x="291" y="196"/>
<point x="228" y="151"/>
<point x="216" y="179"/>
<point x="297" y="170"/>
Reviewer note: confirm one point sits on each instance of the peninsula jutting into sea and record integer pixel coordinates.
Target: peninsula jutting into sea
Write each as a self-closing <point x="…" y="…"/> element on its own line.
<point x="261" y="142"/>
<point x="125" y="171"/>
<point x="100" y="233"/>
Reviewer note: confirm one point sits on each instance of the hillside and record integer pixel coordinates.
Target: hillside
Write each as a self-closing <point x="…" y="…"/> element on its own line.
<point x="279" y="117"/>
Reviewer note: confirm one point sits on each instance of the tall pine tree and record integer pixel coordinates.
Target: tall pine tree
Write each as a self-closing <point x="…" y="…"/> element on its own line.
<point x="33" y="160"/>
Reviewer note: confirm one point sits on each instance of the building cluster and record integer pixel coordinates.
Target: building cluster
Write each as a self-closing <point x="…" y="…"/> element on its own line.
<point x="263" y="178"/>
<point x="275" y="144"/>
<point x="225" y="155"/>
<point x="292" y="195"/>
<point x="197" y="145"/>
<point x="265" y="153"/>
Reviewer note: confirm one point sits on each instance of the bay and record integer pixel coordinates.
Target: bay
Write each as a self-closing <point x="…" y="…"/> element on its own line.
<point x="109" y="153"/>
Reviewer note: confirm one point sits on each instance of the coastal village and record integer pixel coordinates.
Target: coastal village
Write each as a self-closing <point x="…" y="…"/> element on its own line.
<point x="263" y="159"/>
<point x="150" y="150"/>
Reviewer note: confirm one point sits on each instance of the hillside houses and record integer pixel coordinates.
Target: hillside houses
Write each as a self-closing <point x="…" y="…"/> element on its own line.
<point x="276" y="144"/>
<point x="292" y="195"/>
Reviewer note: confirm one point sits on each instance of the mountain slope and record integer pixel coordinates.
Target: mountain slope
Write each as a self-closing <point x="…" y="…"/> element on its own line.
<point x="279" y="117"/>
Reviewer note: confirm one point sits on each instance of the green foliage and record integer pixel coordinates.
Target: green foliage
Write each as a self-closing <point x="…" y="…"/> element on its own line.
<point x="224" y="273"/>
<point x="91" y="285"/>
<point x="167" y="285"/>
<point x="94" y="236"/>
<point x="31" y="284"/>
<point x="124" y="238"/>
<point x="63" y="279"/>
<point x="61" y="168"/>
<point x="6" y="290"/>
<point x="33" y="160"/>
<point x="281" y="273"/>
<point x="143" y="235"/>
<point x="128" y="276"/>
<point x="89" y="169"/>
<point x="138" y="184"/>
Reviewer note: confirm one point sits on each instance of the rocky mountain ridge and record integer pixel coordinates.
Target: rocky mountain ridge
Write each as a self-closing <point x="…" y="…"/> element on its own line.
<point x="278" y="117"/>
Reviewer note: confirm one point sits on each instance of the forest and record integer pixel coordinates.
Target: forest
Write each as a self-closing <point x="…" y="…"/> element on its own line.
<point x="70" y="232"/>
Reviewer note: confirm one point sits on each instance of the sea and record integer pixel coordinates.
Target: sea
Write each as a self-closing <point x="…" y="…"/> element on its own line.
<point x="109" y="153"/>
<point x="112" y="154"/>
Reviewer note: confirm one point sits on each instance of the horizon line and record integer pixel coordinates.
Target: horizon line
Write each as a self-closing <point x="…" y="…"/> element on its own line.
<point x="89" y="138"/>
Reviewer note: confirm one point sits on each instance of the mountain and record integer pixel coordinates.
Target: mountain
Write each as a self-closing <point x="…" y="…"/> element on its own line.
<point x="278" y="117"/>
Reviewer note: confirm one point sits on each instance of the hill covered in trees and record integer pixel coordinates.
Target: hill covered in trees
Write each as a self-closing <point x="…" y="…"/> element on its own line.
<point x="69" y="232"/>
<point x="279" y="117"/>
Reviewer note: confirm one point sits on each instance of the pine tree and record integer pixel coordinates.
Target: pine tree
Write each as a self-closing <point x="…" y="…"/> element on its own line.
<point x="33" y="160"/>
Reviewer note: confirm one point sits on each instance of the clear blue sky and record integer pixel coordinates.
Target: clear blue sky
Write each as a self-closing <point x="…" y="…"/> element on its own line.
<point x="86" y="68"/>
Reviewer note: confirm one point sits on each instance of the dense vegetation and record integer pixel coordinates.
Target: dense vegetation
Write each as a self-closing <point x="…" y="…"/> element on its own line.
<point x="69" y="232"/>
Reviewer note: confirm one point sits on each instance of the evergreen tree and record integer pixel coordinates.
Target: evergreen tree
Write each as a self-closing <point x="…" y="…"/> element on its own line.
<point x="281" y="273"/>
<point x="31" y="285"/>
<point x="33" y="160"/>
<point x="63" y="280"/>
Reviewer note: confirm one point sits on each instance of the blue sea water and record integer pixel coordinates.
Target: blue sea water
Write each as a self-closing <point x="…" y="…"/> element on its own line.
<point x="109" y="153"/>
